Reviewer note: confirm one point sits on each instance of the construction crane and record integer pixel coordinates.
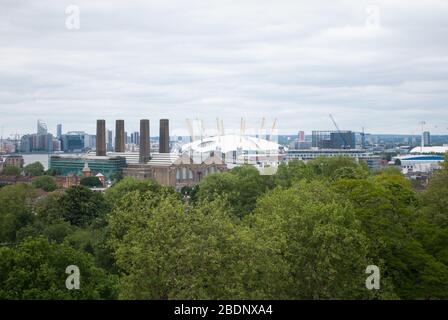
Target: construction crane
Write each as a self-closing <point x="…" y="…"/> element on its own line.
<point x="242" y="129"/>
<point x="190" y="129"/>
<point x="260" y="133"/>
<point x="345" y="146"/>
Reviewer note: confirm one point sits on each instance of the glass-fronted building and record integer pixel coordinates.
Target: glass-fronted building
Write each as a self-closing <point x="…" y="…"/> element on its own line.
<point x="71" y="165"/>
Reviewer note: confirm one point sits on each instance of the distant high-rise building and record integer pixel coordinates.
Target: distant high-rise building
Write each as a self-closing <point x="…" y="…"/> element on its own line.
<point x="427" y="138"/>
<point x="301" y="136"/>
<point x="59" y="131"/>
<point x="75" y="141"/>
<point x="333" y="140"/>
<point x="110" y="146"/>
<point x="41" y="127"/>
<point x="343" y="140"/>
<point x="136" y="138"/>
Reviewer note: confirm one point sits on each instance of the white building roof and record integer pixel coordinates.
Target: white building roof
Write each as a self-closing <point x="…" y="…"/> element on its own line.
<point x="439" y="150"/>
<point x="227" y="143"/>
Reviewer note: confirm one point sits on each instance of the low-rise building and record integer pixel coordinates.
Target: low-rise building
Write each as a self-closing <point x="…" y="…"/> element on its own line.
<point x="372" y="161"/>
<point x="421" y="160"/>
<point x="73" y="165"/>
<point x="176" y="170"/>
<point x="11" y="160"/>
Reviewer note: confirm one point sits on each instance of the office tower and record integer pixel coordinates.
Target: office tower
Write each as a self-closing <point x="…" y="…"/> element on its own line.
<point x="144" y="141"/>
<point x="101" y="137"/>
<point x="120" y="136"/>
<point x="164" y="136"/>
<point x="59" y="131"/>
<point x="110" y="145"/>
<point x="427" y="138"/>
<point x="41" y="127"/>
<point x="301" y="136"/>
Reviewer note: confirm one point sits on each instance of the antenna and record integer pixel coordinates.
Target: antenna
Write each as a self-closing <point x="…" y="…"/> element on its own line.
<point x="422" y="123"/>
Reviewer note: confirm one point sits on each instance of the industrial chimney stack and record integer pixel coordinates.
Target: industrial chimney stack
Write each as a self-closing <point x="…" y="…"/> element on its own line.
<point x="101" y="137"/>
<point x="144" y="141"/>
<point x="164" y="136"/>
<point x="119" y="136"/>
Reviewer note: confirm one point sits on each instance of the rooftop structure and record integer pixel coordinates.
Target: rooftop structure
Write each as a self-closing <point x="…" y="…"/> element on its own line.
<point x="229" y="143"/>
<point x="173" y="169"/>
<point x="424" y="163"/>
<point x="67" y="165"/>
<point x="372" y="161"/>
<point x="430" y="150"/>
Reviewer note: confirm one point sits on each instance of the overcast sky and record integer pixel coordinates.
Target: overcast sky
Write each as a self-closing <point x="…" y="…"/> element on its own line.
<point x="382" y="65"/>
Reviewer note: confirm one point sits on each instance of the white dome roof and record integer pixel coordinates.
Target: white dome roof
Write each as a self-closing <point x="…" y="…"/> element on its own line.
<point x="442" y="149"/>
<point x="229" y="143"/>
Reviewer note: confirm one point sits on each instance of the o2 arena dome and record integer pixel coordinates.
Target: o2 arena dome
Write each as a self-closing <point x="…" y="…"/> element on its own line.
<point x="230" y="143"/>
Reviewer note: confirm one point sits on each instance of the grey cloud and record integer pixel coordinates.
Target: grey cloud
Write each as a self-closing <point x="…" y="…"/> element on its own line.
<point x="292" y="60"/>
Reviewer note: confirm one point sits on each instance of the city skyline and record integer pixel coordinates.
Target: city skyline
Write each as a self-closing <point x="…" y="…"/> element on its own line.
<point x="208" y="131"/>
<point x="379" y="65"/>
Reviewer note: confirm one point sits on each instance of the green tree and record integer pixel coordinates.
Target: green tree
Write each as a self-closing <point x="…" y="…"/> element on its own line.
<point x="241" y="186"/>
<point x="388" y="211"/>
<point x="292" y="172"/>
<point x="328" y="167"/>
<point x="12" y="171"/>
<point x="91" y="182"/>
<point x="129" y="184"/>
<point x="320" y="168"/>
<point x="168" y="250"/>
<point x="320" y="238"/>
<point x="48" y="221"/>
<point x="15" y="210"/>
<point x="190" y="192"/>
<point x="81" y="206"/>
<point x="34" y="169"/>
<point x="350" y="173"/>
<point x="46" y="183"/>
<point x="52" y="172"/>
<point x="435" y="198"/>
<point x="322" y="242"/>
<point x="35" y="269"/>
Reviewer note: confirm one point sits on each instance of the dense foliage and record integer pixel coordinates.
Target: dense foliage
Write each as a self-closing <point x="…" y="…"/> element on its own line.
<point x="11" y="171"/>
<point x="91" y="182"/>
<point x="46" y="183"/>
<point x="308" y="232"/>
<point x="34" y="169"/>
